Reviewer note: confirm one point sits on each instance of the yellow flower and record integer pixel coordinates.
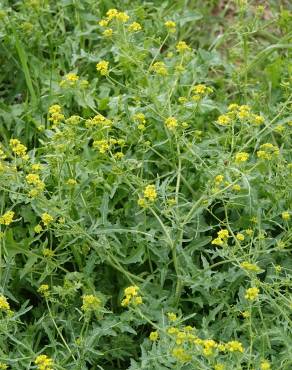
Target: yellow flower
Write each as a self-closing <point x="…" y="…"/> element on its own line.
<point x="223" y="234"/>
<point x="108" y="32"/>
<point x="171" y="123"/>
<point x="219" y="179"/>
<point x="224" y="120"/>
<point x="122" y="16"/>
<point x="209" y="346"/>
<point x="257" y="120"/>
<point x="154" y="336"/>
<point x="131" y="290"/>
<point x="159" y="68"/>
<point x="182" y="47"/>
<point x="46" y="218"/>
<point x="171" y="316"/>
<point x="34" y="179"/>
<point x="48" y="253"/>
<point x="219" y="367"/>
<point x="286" y="215"/>
<point x="234" y="346"/>
<point x="243" y="114"/>
<point x="171" y="26"/>
<point x="36" y="167"/>
<point x="240" y="237"/>
<point x="98" y="120"/>
<point x="249" y="232"/>
<point x="102" y="67"/>
<point x="241" y="157"/>
<point x="140" y="117"/>
<point x="268" y="151"/>
<point x="134" y="27"/>
<point x="7" y="218"/>
<point x="245" y="314"/>
<point x="73" y="120"/>
<point x="103" y="22"/>
<point x="69" y="79"/>
<point x="71" y="182"/>
<point x="150" y="193"/>
<point x="202" y="90"/>
<point x="131" y="296"/>
<point x="3" y="366"/>
<point x="55" y="114"/>
<point x="111" y="13"/>
<point x="18" y="149"/>
<point x="44" y="290"/>
<point x="172" y="330"/>
<point x="90" y="303"/>
<point x="251" y="294"/>
<point x="217" y="241"/>
<point x="265" y="365"/>
<point x="102" y="145"/>
<point x="43" y="362"/>
<point x="4" y="305"/>
<point x="119" y="155"/>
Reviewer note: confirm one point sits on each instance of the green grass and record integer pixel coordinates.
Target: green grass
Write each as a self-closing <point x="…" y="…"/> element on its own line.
<point x="145" y="204"/>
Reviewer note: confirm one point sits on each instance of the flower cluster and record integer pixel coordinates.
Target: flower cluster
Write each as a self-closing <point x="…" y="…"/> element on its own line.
<point x="141" y="120"/>
<point x="251" y="294"/>
<point x="69" y="80"/>
<point x="171" y="26"/>
<point x="222" y="237"/>
<point x="18" y="149"/>
<point x="98" y="121"/>
<point x="265" y="365"/>
<point x="182" y="47"/>
<point x="171" y="123"/>
<point x="55" y="114"/>
<point x="241" y="157"/>
<point x="286" y="216"/>
<point x="4" y="305"/>
<point x="159" y="68"/>
<point x="268" y="151"/>
<point x="206" y="347"/>
<point x="150" y="194"/>
<point x="114" y="18"/>
<point x="131" y="296"/>
<point x="90" y="303"/>
<point x="154" y="336"/>
<point x="102" y="145"/>
<point x="7" y="218"/>
<point x="134" y="27"/>
<point x="200" y="91"/>
<point x="44" y="290"/>
<point x="47" y="218"/>
<point x="240" y="113"/>
<point x="44" y="362"/>
<point x="102" y="67"/>
<point x="34" y="179"/>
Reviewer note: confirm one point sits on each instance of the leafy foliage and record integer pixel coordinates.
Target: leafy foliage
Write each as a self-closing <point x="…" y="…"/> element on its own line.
<point x="145" y="185"/>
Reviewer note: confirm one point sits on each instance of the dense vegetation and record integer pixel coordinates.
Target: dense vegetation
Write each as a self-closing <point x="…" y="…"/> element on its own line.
<point x="145" y="176"/>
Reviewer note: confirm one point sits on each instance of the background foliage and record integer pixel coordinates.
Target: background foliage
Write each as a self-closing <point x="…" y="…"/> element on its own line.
<point x="80" y="232"/>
